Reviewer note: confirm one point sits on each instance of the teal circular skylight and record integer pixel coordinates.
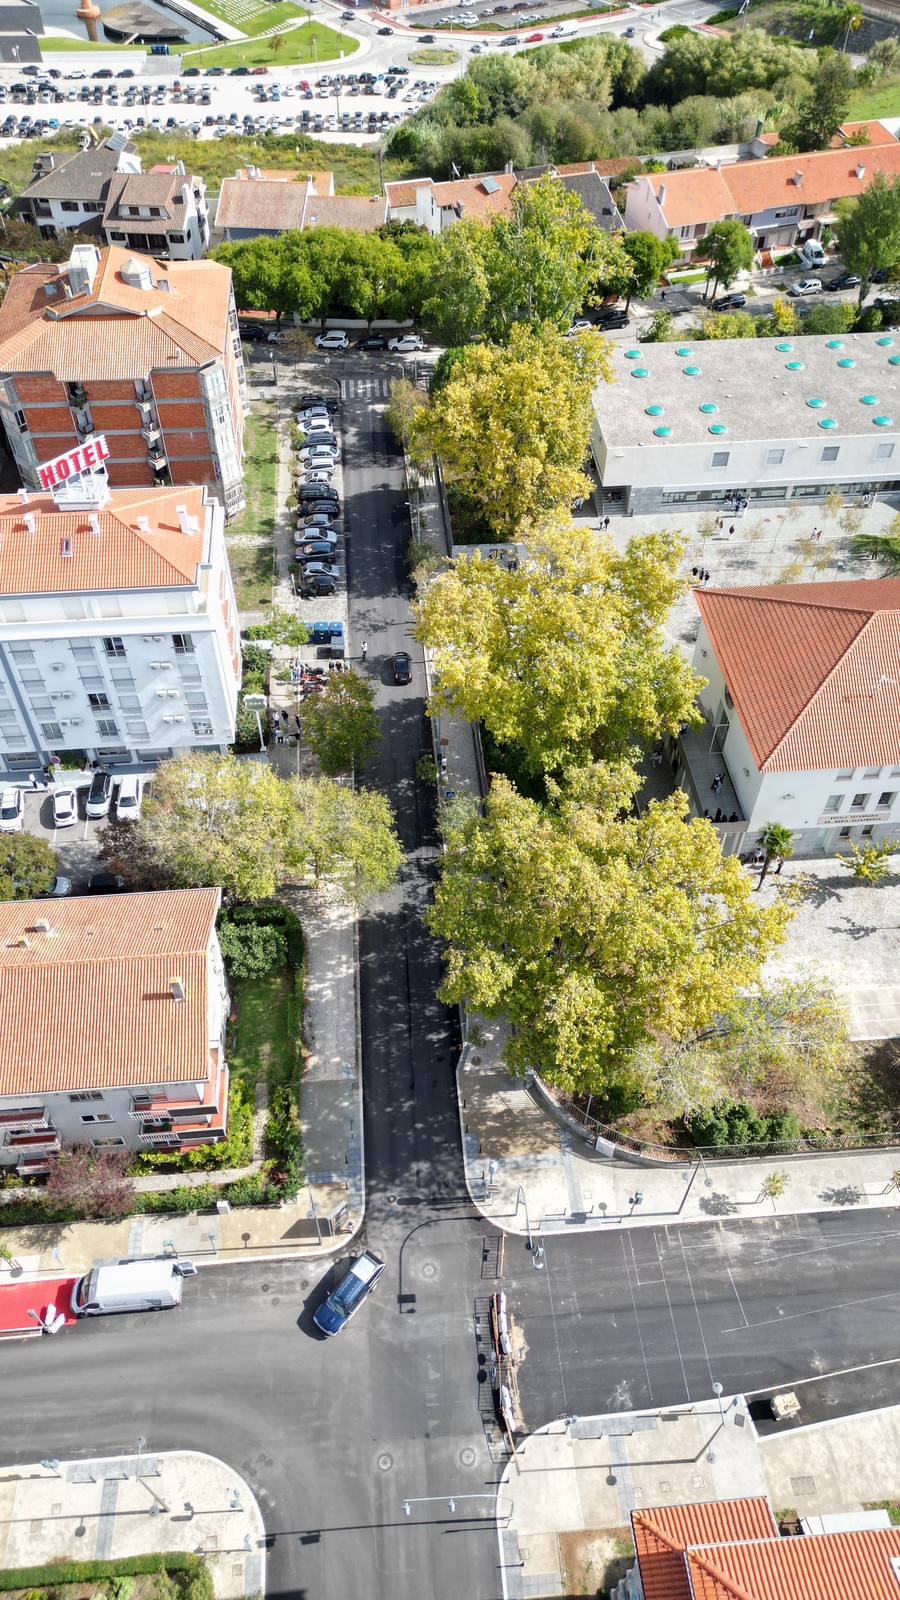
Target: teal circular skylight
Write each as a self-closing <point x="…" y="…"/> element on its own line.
<point x="717" y="427"/>
<point x="894" y="361"/>
<point x="684" y="350"/>
<point x="794" y="366"/>
<point x="709" y="406"/>
<point x="883" y="422"/>
<point x="885" y="339"/>
<point x="639" y="372"/>
<point x="846" y="361"/>
<point x="834" y="344"/>
<point x="691" y="372"/>
<point x="827" y="422"/>
<point x="868" y="400"/>
<point x="663" y="433"/>
<point x="784" y="346"/>
<point x="815" y="403"/>
<point x="632" y="355"/>
<point x="654" y="411"/>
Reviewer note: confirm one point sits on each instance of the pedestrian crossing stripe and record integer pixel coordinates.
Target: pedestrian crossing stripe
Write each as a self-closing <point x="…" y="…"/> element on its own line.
<point x="365" y="388"/>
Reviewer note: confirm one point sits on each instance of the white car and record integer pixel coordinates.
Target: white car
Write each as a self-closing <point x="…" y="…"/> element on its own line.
<point x="321" y="569"/>
<point x="319" y="447"/>
<point x="129" y="798"/>
<point x="65" y="808"/>
<point x="318" y="535"/>
<point x="315" y="425"/>
<point x="314" y="416"/>
<point x="807" y="286"/>
<point x="580" y="325"/>
<point x="322" y="475"/>
<point x="406" y="342"/>
<point x="335" y="340"/>
<point x="12" y="811"/>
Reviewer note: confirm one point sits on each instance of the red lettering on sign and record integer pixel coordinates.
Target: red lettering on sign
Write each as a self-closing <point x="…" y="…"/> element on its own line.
<point x="88" y="453"/>
<point x="74" y="462"/>
<point x="47" y="476"/>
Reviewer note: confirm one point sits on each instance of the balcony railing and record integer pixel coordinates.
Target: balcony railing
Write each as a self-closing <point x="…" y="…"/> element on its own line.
<point x="158" y="459"/>
<point x="169" y="1139"/>
<point x="28" y="1119"/>
<point x="44" y="1141"/>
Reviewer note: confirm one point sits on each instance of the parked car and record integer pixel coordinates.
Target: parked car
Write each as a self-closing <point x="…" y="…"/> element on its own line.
<point x="335" y="339"/>
<point x="607" y="320"/>
<point x="318" y="524"/>
<point x="314" y="550"/>
<point x="372" y="341"/>
<point x="386" y="31"/>
<point x="12" y="810"/>
<point x="106" y="883"/>
<point x="534" y="38"/>
<point x="730" y="302"/>
<point x="129" y="799"/>
<point x="846" y="280"/>
<point x="321" y="569"/>
<point x="806" y="286"/>
<point x="65" y="808"/>
<point x="99" y="796"/>
<point x="311" y="587"/>
<point x="405" y="342"/>
<point x="890" y="309"/>
<point x="401" y="667"/>
<point x="331" y="406"/>
<point x="579" y="325"/>
<point x="58" y="889"/>
<point x="335" y="1312"/>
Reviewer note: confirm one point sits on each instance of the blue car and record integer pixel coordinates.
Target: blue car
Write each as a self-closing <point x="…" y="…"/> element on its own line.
<point x="355" y="1287"/>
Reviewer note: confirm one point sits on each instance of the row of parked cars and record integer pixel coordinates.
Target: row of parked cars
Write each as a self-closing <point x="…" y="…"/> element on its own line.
<point x="127" y="791"/>
<point x="317" y="530"/>
<point x="339" y="339"/>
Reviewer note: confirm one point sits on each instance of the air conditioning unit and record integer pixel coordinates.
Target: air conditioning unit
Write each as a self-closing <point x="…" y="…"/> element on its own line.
<point x="174" y="719"/>
<point x="72" y="722"/>
<point x="58" y="666"/>
<point x="157" y="638"/>
<point x="64" y="694"/>
<point x="158" y="666"/>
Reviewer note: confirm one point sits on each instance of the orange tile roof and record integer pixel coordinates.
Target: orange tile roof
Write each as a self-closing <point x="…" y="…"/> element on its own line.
<point x="662" y="1534"/>
<point x="269" y="204"/>
<point x="404" y="194"/>
<point x="474" y="198"/>
<point x="120" y="556"/>
<point x="95" y="991"/>
<point x="827" y="175"/>
<point x="118" y="330"/>
<point x="812" y="670"/>
<point x="877" y="132"/>
<point x="822" y="1566"/>
<point x="698" y="195"/>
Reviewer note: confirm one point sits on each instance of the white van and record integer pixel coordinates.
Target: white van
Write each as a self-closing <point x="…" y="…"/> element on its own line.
<point x="141" y="1283"/>
<point x="813" y="254"/>
<point x="564" y="30"/>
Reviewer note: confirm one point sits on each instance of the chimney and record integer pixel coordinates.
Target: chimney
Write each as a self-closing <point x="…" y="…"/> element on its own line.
<point x="45" y="927"/>
<point x="143" y="524"/>
<point x="176" y="989"/>
<point x="860" y="170"/>
<point x="180" y="169"/>
<point x="29" y="522"/>
<point x="184" y="521"/>
<point x="798" y="180"/>
<point x="24" y="494"/>
<point x="94" y="522"/>
<point x="662" y="195"/>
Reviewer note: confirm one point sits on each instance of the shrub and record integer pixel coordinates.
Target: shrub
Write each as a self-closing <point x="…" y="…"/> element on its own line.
<point x="679" y="28"/>
<point x="727" y="1122"/>
<point x="269" y="914"/>
<point x="59" y="1572"/>
<point x="283" y="1124"/>
<point x="120" y="1588"/>
<point x="252" y="950"/>
<point x="199" y="1586"/>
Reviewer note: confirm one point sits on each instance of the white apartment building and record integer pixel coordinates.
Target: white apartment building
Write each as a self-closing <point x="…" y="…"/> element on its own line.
<point x="774" y="420"/>
<point x="119" y="636"/>
<point x="802" y="713"/>
<point x="126" y="1005"/>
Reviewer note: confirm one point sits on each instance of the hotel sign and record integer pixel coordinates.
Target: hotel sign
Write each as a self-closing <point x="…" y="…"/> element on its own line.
<point x="74" y="462"/>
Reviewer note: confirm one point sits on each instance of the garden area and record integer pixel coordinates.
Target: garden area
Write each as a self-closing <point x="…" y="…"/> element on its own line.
<point x="175" y="1575"/>
<point x="309" y="42"/>
<point x="250" y="537"/>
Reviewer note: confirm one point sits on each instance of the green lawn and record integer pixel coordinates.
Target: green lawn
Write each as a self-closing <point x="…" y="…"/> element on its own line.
<point x="250" y="537"/>
<point x="254" y="16"/>
<point x="883" y="102"/>
<point x="312" y="42"/>
<point x="56" y="43"/>
<point x="266" y="1039"/>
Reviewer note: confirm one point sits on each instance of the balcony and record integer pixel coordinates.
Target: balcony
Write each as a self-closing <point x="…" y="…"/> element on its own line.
<point x="151" y="434"/>
<point x="167" y="1141"/>
<point x="42" y="1141"/>
<point x="27" y="1119"/>
<point x="34" y="1166"/>
<point x="158" y="459"/>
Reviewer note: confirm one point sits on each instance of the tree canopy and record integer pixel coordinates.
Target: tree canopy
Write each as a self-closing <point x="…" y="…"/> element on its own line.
<point x="213" y="819"/>
<point x="868" y="229"/>
<point x="592" y="929"/>
<point x="728" y="249"/>
<point x="321" y="270"/>
<point x="564" y="656"/>
<point x="823" y="110"/>
<point x="28" y="866"/>
<point x="341" y="724"/>
<point x="513" y="425"/>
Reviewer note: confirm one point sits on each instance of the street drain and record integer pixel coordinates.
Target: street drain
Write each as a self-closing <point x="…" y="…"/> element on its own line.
<point x="385" y="1462"/>
<point x="429" y="1270"/>
<point x="468" y="1456"/>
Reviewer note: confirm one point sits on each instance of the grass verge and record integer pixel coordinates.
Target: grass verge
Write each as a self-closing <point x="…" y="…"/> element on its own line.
<point x="259" y="20"/>
<point x="57" y="43"/>
<point x="251" y="536"/>
<point x="265" y="1041"/>
<point x="313" y="43"/>
<point x="882" y="102"/>
<point x="427" y="57"/>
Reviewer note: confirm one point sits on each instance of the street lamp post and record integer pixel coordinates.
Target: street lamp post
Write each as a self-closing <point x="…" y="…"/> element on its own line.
<point x="450" y="1501"/>
<point x="141" y="1442"/>
<point x="313" y="1213"/>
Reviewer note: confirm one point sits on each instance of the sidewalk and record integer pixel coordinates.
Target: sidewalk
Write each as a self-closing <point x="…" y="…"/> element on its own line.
<point x="526" y="1172"/>
<point x="135" y="1505"/>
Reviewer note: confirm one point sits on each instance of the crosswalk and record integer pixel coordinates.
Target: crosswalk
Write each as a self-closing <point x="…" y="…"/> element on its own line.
<point x="365" y="388"/>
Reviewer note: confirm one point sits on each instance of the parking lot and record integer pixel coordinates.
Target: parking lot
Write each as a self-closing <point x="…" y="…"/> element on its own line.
<point x="76" y="845"/>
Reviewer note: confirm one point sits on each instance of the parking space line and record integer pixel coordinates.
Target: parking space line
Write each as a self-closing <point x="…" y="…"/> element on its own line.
<point x="627" y="1241"/>
<point x="818" y="1311"/>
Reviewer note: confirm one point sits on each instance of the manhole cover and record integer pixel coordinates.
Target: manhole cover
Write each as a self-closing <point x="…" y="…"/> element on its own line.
<point x="275" y="1300"/>
<point x="385" y="1462"/>
<point x="392" y="1198"/>
<point x="429" y="1270"/>
<point x="264" y="1288"/>
<point x="304" y="1283"/>
<point x="803" y="1485"/>
<point x="468" y="1456"/>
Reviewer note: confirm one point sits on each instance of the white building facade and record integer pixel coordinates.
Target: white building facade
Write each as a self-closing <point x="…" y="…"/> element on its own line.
<point x="119" y="637"/>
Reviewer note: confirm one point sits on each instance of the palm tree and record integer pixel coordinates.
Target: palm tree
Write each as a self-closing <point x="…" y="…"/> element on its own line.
<point x="853" y="18"/>
<point x="777" y="844"/>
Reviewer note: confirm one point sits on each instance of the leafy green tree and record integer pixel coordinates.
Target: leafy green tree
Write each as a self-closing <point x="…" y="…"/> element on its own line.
<point x="279" y="627"/>
<point x="512" y="425"/>
<point x="820" y="115"/>
<point x="591" y="928"/>
<point x="456" y="307"/>
<point x="649" y="257"/>
<point x="27" y="866"/>
<point x="868" y="229"/>
<point x="723" y="65"/>
<point x="341" y="725"/>
<point x="660" y="328"/>
<point x="252" y="949"/>
<point x="728" y="249"/>
<point x="565" y="656"/>
<point x="403" y="407"/>
<point x="777" y="844"/>
<point x="351" y="843"/>
<point x="828" y="319"/>
<point x="884" y="547"/>
<point x="871" y="862"/>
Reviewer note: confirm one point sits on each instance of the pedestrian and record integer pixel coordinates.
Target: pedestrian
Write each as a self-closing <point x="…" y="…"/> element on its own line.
<point x="662" y="297"/>
<point x="364" y="649"/>
<point x="718" y="815"/>
<point x="32" y="779"/>
<point x="284" y="717"/>
<point x="715" y="785"/>
<point x="720" y="523"/>
<point x="443" y="766"/>
<point x="731" y="531"/>
<point x="299" y="726"/>
<point x="606" y="524"/>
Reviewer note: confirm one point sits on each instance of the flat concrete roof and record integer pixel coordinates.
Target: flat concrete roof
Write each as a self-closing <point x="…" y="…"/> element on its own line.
<point x="760" y="389"/>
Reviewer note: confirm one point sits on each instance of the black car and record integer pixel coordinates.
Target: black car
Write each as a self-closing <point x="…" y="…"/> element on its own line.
<point x="387" y="31"/>
<point x="730" y="302"/>
<point x="191" y="72"/>
<point x="372" y="341"/>
<point x="126" y="72"/>
<point x="239" y="72"/>
<point x="102" y="72"/>
<point x="106" y="883"/>
<point x="847" y="280"/>
<point x="331" y="406"/>
<point x="315" y="585"/>
<point x="608" y="320"/>
<point x="308" y="493"/>
<point x="427" y="38"/>
<point x="401" y="666"/>
<point x="31" y="70"/>
<point x="879" y="276"/>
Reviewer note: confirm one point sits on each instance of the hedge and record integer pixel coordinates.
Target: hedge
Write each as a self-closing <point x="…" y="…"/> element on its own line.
<point x="59" y="1572"/>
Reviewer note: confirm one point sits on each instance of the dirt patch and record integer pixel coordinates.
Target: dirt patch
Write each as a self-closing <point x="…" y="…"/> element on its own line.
<point x="593" y="1562"/>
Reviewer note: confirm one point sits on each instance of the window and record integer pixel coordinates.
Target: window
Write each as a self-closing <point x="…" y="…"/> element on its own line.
<point x="122" y="678"/>
<point x="137" y="731"/>
<point x="202" y="727"/>
<point x="114" y="647"/>
<point x="98" y="1144"/>
<point x="86" y="1094"/>
<point x="886" y="800"/>
<point x="83" y="652"/>
<point x="70" y="205"/>
<point x="868" y="831"/>
<point x="22" y="654"/>
<point x="176" y="238"/>
<point x="20" y="420"/>
<point x="774" y="458"/>
<point x="130" y="702"/>
<point x="119" y="238"/>
<point x="883" y="452"/>
<point x="871" y="772"/>
<point x="845" y="833"/>
<point x="98" y="702"/>
<point x="834" y="802"/>
<point x="196" y="700"/>
<point x="32" y="680"/>
<point x="184" y="644"/>
<point x="831" y="452"/>
<point x="91" y="679"/>
<point x="107" y="728"/>
<point x="51" y="730"/>
<point x="96" y="1116"/>
<point x="111" y="752"/>
<point x="8" y="718"/>
<point x="721" y="458"/>
<point x="859" y="802"/>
